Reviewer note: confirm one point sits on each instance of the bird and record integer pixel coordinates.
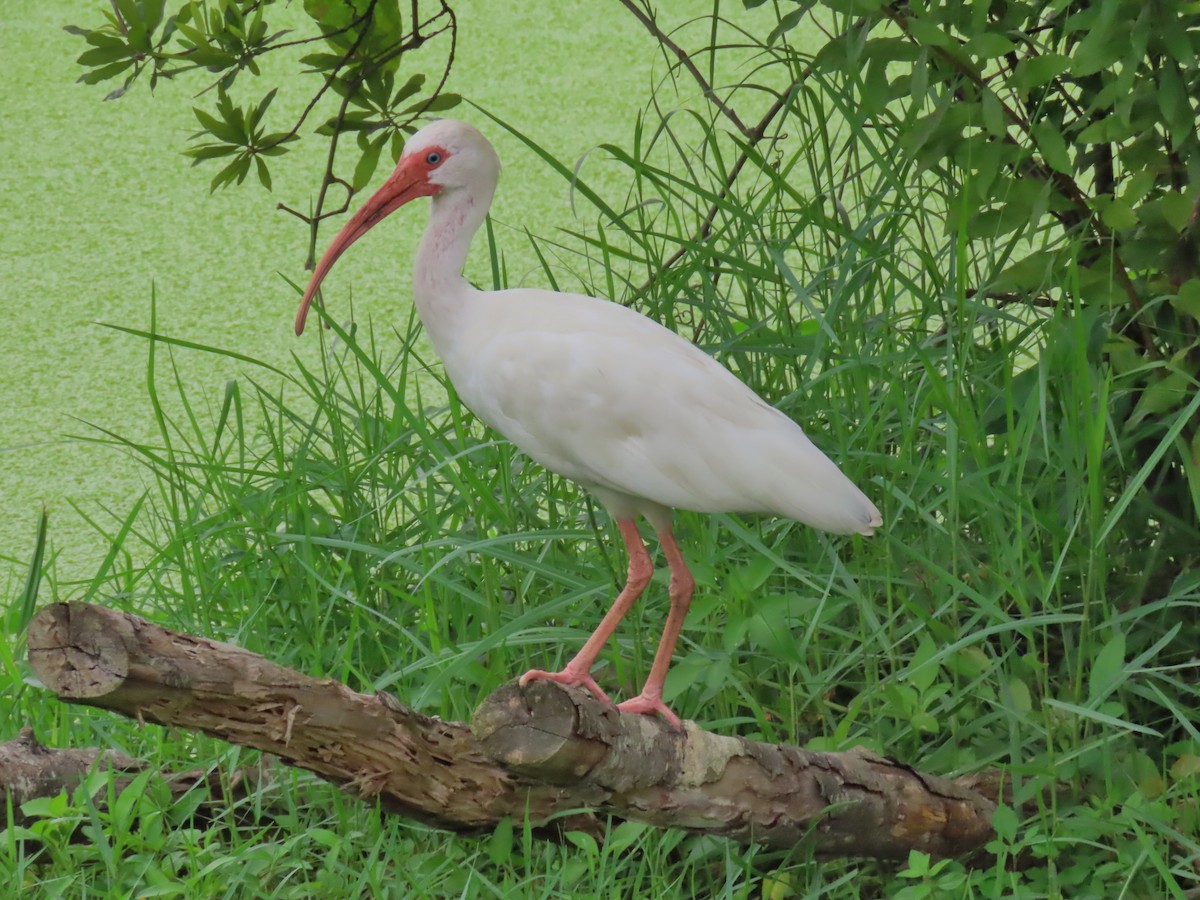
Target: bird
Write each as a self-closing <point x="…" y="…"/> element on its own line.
<point x="637" y="415"/>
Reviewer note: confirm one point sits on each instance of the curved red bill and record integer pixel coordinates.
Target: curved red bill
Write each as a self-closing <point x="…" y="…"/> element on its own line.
<point x="405" y="184"/>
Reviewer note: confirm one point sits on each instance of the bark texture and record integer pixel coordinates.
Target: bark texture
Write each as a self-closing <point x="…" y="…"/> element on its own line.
<point x="543" y="751"/>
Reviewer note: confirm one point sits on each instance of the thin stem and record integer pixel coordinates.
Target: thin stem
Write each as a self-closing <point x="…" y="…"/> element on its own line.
<point x="686" y="61"/>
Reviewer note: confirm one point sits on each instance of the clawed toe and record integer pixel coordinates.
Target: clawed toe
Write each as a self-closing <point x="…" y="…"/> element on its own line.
<point x="568" y="678"/>
<point x="645" y="704"/>
<point x="649" y="706"/>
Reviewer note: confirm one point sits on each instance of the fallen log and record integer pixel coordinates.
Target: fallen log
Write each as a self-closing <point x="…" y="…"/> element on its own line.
<point x="29" y="769"/>
<point x="545" y="751"/>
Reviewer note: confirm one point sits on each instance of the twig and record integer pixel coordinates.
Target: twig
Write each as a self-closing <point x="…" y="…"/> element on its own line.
<point x="329" y="178"/>
<point x="686" y="61"/>
<point x="753" y="137"/>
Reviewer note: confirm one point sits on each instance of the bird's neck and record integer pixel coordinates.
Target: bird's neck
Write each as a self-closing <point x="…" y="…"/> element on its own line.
<point x="439" y="289"/>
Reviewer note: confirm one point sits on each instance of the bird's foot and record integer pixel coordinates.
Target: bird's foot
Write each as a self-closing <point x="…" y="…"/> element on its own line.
<point x="648" y="705"/>
<point x="570" y="678"/>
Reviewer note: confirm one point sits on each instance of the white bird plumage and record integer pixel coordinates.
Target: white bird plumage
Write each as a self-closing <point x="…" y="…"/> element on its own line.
<point x="597" y="392"/>
<point x="604" y="396"/>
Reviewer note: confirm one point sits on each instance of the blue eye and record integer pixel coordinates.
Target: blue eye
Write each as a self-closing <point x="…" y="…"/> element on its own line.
<point x="433" y="158"/>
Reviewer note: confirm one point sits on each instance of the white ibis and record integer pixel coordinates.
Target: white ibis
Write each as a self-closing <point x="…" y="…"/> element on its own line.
<point x="599" y="393"/>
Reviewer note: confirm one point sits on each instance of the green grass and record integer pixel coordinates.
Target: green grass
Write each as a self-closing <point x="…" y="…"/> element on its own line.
<point x="1025" y="606"/>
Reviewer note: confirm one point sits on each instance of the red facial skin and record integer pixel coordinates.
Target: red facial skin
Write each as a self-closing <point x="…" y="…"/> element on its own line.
<point x="408" y="182"/>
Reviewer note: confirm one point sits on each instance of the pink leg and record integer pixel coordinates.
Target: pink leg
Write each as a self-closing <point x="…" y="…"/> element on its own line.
<point x="578" y="670"/>
<point x="683" y="585"/>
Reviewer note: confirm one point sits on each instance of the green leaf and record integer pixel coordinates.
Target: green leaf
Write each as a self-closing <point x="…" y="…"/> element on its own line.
<point x="1163" y="395"/>
<point x="993" y="114"/>
<point x="1005" y="823"/>
<point x="47" y="807"/>
<point x="368" y="161"/>
<point x="925" y="722"/>
<point x="130" y="798"/>
<point x="217" y="127"/>
<point x="1187" y="301"/>
<point x="1179" y="45"/>
<point x="27" y="602"/>
<point x="918" y="864"/>
<point x="1111" y="129"/>
<point x="410" y="87"/>
<point x="1021" y="207"/>
<point x="1022" y="701"/>
<point x="1099" y="49"/>
<point x="275" y="144"/>
<point x="1012" y="398"/>
<point x="1176" y="209"/>
<point x="919" y="81"/>
<point x="875" y="95"/>
<point x="104" y="39"/>
<point x="1039" y="70"/>
<point x="1106" y="669"/>
<point x="1191" y="464"/>
<point x="236" y="169"/>
<point x="99" y="56"/>
<point x="1101" y="718"/>
<point x="988" y="45"/>
<point x="210" y="151"/>
<point x="440" y="103"/>
<point x="855" y="7"/>
<point x="624" y="836"/>
<point x="928" y="33"/>
<point x="922" y="672"/>
<point x="264" y="175"/>
<point x="500" y="844"/>
<point x="1137" y="186"/>
<point x="1116" y="214"/>
<point x="787" y="22"/>
<point x="261" y="109"/>
<point x="105" y="72"/>
<point x="584" y="842"/>
<point x="1053" y="147"/>
<point x="322" y="62"/>
<point x="119" y="92"/>
<point x="360" y="120"/>
<point x="1028" y="274"/>
<point x="893" y="49"/>
<point x="1176" y="106"/>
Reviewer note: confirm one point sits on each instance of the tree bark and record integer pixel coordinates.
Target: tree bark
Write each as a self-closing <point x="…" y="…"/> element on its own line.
<point x="544" y="751"/>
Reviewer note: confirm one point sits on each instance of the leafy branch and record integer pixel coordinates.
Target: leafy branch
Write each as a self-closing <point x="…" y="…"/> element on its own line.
<point x="357" y="51"/>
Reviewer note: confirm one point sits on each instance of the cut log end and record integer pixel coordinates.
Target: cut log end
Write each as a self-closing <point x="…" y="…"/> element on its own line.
<point x="77" y="653"/>
<point x="545" y="730"/>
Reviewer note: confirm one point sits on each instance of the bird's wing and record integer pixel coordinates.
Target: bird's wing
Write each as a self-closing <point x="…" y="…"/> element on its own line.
<point x="610" y="398"/>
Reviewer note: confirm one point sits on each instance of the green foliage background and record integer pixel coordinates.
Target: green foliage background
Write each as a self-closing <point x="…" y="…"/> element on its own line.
<point x="957" y="241"/>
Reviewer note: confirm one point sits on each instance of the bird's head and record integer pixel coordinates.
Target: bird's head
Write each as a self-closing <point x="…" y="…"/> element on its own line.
<point x="443" y="157"/>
